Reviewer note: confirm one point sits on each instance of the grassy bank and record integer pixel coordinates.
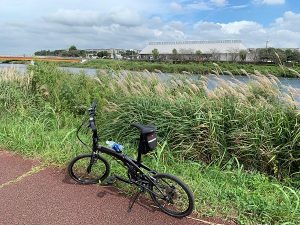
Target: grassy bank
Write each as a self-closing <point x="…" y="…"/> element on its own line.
<point x="239" y="143"/>
<point x="194" y="68"/>
<point x="15" y="62"/>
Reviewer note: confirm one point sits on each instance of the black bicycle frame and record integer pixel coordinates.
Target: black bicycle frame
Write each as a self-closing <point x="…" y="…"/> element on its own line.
<point x="125" y="159"/>
<point x="136" y="164"/>
<point x="128" y="161"/>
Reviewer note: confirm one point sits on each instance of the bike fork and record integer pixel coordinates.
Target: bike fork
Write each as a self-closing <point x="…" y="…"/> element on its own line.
<point x="92" y="161"/>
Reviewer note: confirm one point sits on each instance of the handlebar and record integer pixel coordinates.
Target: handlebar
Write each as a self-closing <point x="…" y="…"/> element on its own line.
<point x="92" y="109"/>
<point x="92" y="126"/>
<point x="92" y="113"/>
<point x="94" y="105"/>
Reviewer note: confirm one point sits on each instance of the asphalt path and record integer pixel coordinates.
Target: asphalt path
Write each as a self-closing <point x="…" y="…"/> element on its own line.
<point x="13" y="166"/>
<point x="31" y="194"/>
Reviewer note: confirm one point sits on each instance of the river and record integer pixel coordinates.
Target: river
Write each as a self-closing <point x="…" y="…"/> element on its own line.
<point x="292" y="82"/>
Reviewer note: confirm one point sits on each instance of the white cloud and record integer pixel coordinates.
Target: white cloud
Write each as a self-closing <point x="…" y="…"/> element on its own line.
<point x="239" y="6"/>
<point x="177" y="25"/>
<point x="77" y="17"/>
<point x="74" y="17"/>
<point x="250" y="32"/>
<point x="219" y="3"/>
<point x="156" y="20"/>
<point x="240" y="27"/>
<point x="232" y="28"/>
<point x="199" y="6"/>
<point x="125" y="17"/>
<point x="289" y="21"/>
<point x="203" y="26"/>
<point x="269" y="2"/>
<point x="176" y="6"/>
<point x="284" y="32"/>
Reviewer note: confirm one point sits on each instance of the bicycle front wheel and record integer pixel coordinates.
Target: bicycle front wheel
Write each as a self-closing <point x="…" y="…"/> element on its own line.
<point x="172" y="195"/>
<point x="89" y="169"/>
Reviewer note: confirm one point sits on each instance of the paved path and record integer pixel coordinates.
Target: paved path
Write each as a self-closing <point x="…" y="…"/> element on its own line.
<point x="32" y="195"/>
<point x="12" y="166"/>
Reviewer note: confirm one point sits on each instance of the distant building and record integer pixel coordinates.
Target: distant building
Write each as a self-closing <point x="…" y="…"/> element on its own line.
<point x="222" y="50"/>
<point x="116" y="53"/>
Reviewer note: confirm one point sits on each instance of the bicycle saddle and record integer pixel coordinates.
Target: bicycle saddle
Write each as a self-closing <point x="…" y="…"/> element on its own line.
<point x="144" y="129"/>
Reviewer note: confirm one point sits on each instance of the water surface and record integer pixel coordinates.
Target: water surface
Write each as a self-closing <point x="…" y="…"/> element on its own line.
<point x="212" y="82"/>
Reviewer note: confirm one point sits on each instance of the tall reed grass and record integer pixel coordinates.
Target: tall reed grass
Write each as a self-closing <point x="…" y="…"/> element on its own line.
<point x="257" y="123"/>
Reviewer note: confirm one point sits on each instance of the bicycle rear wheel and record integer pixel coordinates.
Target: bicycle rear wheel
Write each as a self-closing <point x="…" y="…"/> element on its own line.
<point x="172" y="196"/>
<point x="89" y="169"/>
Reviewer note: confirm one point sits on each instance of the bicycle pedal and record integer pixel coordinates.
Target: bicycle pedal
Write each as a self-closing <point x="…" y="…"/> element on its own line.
<point x="109" y="181"/>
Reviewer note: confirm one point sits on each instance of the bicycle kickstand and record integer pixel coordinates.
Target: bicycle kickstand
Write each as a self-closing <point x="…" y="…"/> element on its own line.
<point x="134" y="200"/>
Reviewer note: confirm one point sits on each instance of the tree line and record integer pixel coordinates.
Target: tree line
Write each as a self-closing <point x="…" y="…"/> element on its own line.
<point x="74" y="52"/>
<point x="71" y="52"/>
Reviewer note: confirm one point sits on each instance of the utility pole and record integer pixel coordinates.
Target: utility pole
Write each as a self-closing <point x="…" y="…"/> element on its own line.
<point x="267" y="52"/>
<point x="267" y="43"/>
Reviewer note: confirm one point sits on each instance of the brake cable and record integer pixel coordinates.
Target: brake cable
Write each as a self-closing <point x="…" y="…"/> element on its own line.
<point x="77" y="134"/>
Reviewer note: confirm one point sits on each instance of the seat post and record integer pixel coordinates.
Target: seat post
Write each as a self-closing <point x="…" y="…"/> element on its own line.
<point x="141" y="145"/>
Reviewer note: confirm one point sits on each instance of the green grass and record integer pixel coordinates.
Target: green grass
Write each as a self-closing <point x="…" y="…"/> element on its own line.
<point x="237" y="147"/>
<point x="202" y="68"/>
<point x="227" y="192"/>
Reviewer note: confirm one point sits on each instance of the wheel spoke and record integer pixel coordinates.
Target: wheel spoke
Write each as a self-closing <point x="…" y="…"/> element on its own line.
<point x="89" y="169"/>
<point x="176" y="199"/>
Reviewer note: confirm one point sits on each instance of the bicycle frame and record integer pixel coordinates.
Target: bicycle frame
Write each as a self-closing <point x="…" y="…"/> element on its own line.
<point x="132" y="165"/>
<point x="137" y="166"/>
<point x="123" y="157"/>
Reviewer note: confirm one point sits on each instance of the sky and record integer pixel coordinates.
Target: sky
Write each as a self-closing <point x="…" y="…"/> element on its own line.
<point x="31" y="25"/>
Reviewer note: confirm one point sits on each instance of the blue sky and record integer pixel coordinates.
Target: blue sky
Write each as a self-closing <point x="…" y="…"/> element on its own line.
<point x="31" y="25"/>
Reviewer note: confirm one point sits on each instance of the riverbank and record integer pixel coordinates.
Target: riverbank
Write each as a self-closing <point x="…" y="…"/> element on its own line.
<point x="236" y="146"/>
<point x="15" y="62"/>
<point x="202" y="68"/>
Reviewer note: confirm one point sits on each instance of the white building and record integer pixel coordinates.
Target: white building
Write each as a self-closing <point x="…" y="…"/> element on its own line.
<point x="114" y="52"/>
<point x="224" y="50"/>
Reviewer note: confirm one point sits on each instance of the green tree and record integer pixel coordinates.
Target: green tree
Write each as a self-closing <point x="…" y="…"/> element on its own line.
<point x="199" y="54"/>
<point x="155" y="53"/>
<point x="174" y="54"/>
<point x="130" y="54"/>
<point x="264" y="54"/>
<point x="292" y="55"/>
<point x="102" y="54"/>
<point x="82" y="53"/>
<point x="72" y="48"/>
<point x="243" y="55"/>
<point x="272" y="55"/>
<point x="278" y="56"/>
<point x="296" y="55"/>
<point x="174" y="51"/>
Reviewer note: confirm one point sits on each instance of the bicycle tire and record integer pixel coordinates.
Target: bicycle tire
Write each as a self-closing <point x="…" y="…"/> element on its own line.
<point x="79" y="166"/>
<point x="160" y="181"/>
